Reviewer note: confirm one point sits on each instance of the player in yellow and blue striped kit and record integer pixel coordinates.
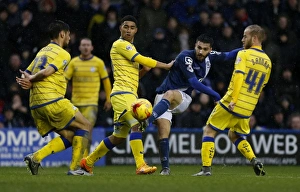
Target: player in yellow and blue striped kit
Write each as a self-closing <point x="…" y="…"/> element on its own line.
<point x="50" y="110"/>
<point x="86" y="72"/>
<point x="126" y="72"/>
<point x="251" y="73"/>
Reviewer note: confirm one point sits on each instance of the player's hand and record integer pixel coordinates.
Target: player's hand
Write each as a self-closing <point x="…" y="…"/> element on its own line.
<point x="169" y="65"/>
<point x="107" y="106"/>
<point x="231" y="106"/>
<point x="24" y="81"/>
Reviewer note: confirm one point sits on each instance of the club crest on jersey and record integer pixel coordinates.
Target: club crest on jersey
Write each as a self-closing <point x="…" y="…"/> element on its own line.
<point x="93" y="69"/>
<point x="65" y="62"/>
<point x="128" y="47"/>
<point x="188" y="60"/>
<point x="238" y="60"/>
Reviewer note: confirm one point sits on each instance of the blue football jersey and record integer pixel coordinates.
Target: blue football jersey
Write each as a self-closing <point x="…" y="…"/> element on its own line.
<point x="187" y="66"/>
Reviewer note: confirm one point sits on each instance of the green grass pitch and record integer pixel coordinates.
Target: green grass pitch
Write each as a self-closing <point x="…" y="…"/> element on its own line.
<point x="123" y="178"/>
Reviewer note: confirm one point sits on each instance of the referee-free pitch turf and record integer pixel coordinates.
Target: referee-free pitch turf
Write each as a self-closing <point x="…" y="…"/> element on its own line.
<point x="229" y="178"/>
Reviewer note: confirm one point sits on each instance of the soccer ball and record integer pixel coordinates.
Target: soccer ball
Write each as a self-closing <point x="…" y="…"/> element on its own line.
<point x="141" y="109"/>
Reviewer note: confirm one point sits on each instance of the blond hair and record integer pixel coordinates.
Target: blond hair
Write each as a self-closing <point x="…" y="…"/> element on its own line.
<point x="256" y="30"/>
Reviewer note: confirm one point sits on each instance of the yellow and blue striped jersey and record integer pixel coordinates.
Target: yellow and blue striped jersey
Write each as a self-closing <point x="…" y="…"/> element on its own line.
<point x="255" y="66"/>
<point x="125" y="70"/>
<point x="53" y="87"/>
<point x="86" y="78"/>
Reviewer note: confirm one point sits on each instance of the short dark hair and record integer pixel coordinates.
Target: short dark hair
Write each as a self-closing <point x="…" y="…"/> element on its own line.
<point x="129" y="18"/>
<point x="85" y="38"/>
<point x="205" y="38"/>
<point x="56" y="27"/>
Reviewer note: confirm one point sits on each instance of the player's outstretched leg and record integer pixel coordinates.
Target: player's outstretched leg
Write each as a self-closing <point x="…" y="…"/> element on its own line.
<point x="87" y="163"/>
<point x="245" y="148"/>
<point x="137" y="148"/>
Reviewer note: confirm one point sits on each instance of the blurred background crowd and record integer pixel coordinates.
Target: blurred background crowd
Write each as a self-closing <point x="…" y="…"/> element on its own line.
<point x="165" y="27"/>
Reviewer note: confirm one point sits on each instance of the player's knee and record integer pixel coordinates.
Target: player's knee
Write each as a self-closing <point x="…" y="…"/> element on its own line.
<point x="208" y="131"/>
<point x="232" y="136"/>
<point x="135" y="128"/>
<point x="88" y="126"/>
<point x="169" y="95"/>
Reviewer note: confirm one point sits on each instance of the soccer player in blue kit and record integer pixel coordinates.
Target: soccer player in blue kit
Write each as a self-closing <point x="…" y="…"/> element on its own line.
<point x="174" y="94"/>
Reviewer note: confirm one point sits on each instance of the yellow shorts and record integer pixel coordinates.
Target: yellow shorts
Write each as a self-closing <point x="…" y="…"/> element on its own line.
<point x="55" y="116"/>
<point x="221" y="119"/>
<point x="124" y="121"/>
<point x="90" y="113"/>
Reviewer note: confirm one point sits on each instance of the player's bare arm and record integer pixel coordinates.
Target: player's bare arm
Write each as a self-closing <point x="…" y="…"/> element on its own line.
<point x="164" y="65"/>
<point x="42" y="74"/>
<point x="107" y="89"/>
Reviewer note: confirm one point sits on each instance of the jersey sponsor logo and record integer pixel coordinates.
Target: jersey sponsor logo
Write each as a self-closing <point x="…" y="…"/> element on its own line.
<point x="128" y="47"/>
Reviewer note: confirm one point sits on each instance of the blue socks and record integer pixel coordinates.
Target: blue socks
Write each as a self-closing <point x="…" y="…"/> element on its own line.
<point x="135" y="135"/>
<point x="163" y="146"/>
<point x="159" y="109"/>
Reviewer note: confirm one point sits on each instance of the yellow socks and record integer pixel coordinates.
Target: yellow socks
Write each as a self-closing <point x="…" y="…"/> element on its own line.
<point x="137" y="148"/>
<point x="207" y="151"/>
<point x="87" y="150"/>
<point x="104" y="146"/>
<point x="79" y="144"/>
<point x="55" y="145"/>
<point x="245" y="148"/>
